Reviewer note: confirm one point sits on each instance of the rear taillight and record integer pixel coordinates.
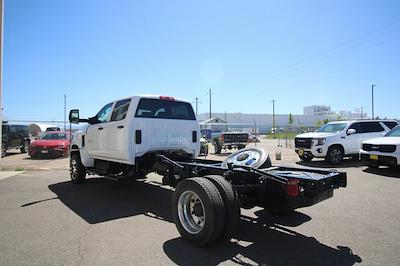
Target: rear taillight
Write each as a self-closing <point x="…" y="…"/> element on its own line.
<point x="292" y="187"/>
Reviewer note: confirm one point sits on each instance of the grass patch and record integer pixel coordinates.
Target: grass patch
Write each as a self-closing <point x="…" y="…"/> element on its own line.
<point x="282" y="135"/>
<point x="19" y="169"/>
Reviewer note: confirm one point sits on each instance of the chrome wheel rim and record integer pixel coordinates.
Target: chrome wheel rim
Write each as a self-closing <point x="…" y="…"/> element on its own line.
<point x="191" y="212"/>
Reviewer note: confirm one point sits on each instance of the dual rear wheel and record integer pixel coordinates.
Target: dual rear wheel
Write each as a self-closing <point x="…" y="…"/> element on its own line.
<point x="205" y="209"/>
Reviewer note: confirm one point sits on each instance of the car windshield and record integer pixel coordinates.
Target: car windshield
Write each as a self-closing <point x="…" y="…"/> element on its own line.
<point x="54" y="136"/>
<point x="332" y="128"/>
<point x="395" y="132"/>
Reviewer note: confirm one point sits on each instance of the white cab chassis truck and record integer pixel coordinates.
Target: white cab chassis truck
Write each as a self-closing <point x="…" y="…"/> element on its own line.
<point x="132" y="137"/>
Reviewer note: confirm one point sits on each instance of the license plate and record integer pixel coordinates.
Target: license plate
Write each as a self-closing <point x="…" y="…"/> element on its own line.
<point x="374" y="157"/>
<point x="301" y="152"/>
<point x="45" y="151"/>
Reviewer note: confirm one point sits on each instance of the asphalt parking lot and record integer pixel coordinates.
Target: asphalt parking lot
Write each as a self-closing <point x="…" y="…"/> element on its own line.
<point x="46" y="220"/>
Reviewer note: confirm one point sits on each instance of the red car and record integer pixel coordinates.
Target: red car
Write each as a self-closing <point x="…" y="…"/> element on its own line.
<point x="54" y="144"/>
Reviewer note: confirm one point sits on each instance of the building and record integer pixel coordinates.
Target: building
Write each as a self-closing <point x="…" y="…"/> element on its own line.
<point x="259" y="123"/>
<point x="318" y="110"/>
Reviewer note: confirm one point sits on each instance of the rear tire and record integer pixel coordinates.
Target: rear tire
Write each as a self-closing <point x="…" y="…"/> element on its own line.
<point x="197" y="206"/>
<point x="335" y="155"/>
<point x="217" y="149"/>
<point x="231" y="202"/>
<point x="76" y="169"/>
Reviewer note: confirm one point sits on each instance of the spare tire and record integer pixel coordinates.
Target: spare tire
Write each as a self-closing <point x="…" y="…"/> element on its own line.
<point x="254" y="157"/>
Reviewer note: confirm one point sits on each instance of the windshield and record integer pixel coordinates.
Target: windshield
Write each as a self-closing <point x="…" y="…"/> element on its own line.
<point x="395" y="132"/>
<point x="332" y="128"/>
<point x="54" y="136"/>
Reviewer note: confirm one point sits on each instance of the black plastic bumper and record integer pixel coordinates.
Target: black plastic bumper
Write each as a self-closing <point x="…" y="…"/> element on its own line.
<point x="382" y="160"/>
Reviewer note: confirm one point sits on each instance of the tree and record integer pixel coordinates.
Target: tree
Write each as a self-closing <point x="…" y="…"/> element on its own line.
<point x="319" y="123"/>
<point x="290" y="119"/>
<point x="326" y="121"/>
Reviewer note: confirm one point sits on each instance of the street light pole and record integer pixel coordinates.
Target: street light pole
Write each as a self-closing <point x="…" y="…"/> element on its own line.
<point x="1" y="67"/>
<point x="209" y="92"/>
<point x="373" y="114"/>
<point x="65" y="112"/>
<point x="273" y="117"/>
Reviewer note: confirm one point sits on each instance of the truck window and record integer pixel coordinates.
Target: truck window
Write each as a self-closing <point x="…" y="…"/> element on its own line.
<point x="369" y="127"/>
<point x="120" y="110"/>
<point x="164" y="109"/>
<point x="104" y="114"/>
<point x="390" y="124"/>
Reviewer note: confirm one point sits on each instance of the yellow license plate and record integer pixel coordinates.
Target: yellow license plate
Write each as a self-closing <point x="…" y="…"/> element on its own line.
<point x="374" y="157"/>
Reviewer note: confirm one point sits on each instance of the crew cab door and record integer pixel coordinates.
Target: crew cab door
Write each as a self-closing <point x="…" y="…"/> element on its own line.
<point x="115" y="135"/>
<point x="95" y="132"/>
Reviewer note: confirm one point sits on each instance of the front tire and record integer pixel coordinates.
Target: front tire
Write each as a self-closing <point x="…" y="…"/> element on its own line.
<point x="24" y="148"/>
<point x="76" y="169"/>
<point x="197" y="206"/>
<point x="335" y="155"/>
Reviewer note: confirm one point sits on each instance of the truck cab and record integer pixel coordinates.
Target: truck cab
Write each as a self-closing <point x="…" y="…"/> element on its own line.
<point x="131" y="128"/>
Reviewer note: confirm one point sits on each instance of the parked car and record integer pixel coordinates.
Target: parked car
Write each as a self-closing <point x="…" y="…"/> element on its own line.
<point x="14" y="137"/>
<point x="382" y="151"/>
<point x="51" y="144"/>
<point x="335" y="140"/>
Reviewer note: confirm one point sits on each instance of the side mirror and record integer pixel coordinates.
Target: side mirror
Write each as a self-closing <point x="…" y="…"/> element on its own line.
<point x="74" y="116"/>
<point x="351" y="131"/>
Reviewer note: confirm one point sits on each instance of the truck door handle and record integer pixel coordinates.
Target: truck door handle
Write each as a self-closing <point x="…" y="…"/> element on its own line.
<point x="342" y="137"/>
<point x="120" y="126"/>
<point x="100" y="128"/>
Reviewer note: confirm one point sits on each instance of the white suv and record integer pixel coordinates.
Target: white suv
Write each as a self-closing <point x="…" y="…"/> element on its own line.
<point x="382" y="151"/>
<point x="336" y="140"/>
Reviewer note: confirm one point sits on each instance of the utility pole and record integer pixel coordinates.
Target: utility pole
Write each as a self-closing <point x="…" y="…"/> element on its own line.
<point x="1" y="66"/>
<point x="197" y="102"/>
<point x="226" y="122"/>
<point x="209" y="92"/>
<point x="65" y="112"/>
<point x="273" y="117"/>
<point x="373" y="114"/>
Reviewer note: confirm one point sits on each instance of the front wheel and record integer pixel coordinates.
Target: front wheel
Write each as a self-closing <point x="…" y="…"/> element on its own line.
<point x="198" y="211"/>
<point x="77" y="169"/>
<point x="25" y="148"/>
<point x="335" y="155"/>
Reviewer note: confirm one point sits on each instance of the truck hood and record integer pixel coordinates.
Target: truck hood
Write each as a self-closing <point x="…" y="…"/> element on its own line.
<point x="50" y="143"/>
<point x="312" y="135"/>
<point x="384" y="141"/>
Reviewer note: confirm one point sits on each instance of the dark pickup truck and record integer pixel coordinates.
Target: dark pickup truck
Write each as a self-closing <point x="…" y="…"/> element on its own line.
<point x="230" y="140"/>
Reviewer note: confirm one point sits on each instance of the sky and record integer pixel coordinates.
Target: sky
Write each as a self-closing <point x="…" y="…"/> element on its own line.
<point x="299" y="53"/>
